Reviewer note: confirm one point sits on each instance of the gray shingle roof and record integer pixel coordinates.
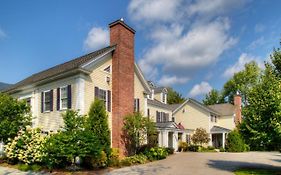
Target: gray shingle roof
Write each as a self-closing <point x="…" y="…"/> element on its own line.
<point x="159" y="104"/>
<point x="158" y="89"/>
<point x="59" y="69"/>
<point x="223" y="109"/>
<point x="219" y="129"/>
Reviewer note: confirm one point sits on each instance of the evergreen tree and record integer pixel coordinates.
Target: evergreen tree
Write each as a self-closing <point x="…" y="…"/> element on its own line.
<point x="174" y="97"/>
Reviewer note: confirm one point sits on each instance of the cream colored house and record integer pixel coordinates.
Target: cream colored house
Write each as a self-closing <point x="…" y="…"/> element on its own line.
<point x="111" y="75"/>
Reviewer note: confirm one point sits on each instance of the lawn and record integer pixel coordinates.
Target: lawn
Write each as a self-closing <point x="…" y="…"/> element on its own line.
<point x="257" y="172"/>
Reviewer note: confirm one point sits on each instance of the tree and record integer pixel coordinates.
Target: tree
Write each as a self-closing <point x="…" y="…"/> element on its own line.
<point x="200" y="136"/>
<point x="174" y="97"/>
<point x="242" y="81"/>
<point x="14" y="116"/>
<point x="73" y="121"/>
<point x="97" y="122"/>
<point x="213" y="97"/>
<point x="276" y="61"/>
<point x="138" y="129"/>
<point x="235" y="142"/>
<point x="261" y="126"/>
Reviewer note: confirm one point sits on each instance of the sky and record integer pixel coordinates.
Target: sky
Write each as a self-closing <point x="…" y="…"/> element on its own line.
<point x="190" y="45"/>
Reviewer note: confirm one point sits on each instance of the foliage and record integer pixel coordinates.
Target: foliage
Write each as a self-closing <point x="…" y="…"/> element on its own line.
<point x="193" y="148"/>
<point x="257" y="171"/>
<point x="222" y="149"/>
<point x="213" y="97"/>
<point x="73" y="121"/>
<point x="170" y="150"/>
<point x="27" y="147"/>
<point x="97" y="122"/>
<point x="133" y="160"/>
<point x="243" y="82"/>
<point x="114" y="159"/>
<point x="235" y="142"/>
<point x="276" y="61"/>
<point x="182" y="146"/>
<point x="261" y="127"/>
<point x="207" y="149"/>
<point x="200" y="136"/>
<point x="137" y="128"/>
<point x="14" y="116"/>
<point x="24" y="167"/>
<point x="156" y="153"/>
<point x="173" y="97"/>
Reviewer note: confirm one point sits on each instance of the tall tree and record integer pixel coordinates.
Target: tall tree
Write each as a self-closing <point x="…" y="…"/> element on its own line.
<point x="276" y="61"/>
<point x="242" y="81"/>
<point x="261" y="126"/>
<point x="213" y="97"/>
<point x="174" y="97"/>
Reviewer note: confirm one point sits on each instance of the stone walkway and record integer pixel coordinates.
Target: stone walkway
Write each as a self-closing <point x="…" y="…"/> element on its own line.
<point x="10" y="171"/>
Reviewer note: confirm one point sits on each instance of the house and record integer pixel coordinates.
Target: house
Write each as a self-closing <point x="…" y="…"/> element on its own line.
<point x="111" y="75"/>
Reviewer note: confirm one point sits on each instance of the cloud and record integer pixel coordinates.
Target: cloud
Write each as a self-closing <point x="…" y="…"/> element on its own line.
<point x="256" y="43"/>
<point x="96" y="39"/>
<point x="239" y="65"/>
<point x="172" y="80"/>
<point x="200" y="89"/>
<point x="178" y="51"/>
<point x="2" y="34"/>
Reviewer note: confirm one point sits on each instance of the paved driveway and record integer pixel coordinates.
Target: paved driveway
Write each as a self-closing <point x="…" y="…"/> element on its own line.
<point x="204" y="163"/>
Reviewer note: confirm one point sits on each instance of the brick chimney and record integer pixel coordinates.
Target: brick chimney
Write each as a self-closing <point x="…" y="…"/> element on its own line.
<point x="122" y="36"/>
<point x="238" y="108"/>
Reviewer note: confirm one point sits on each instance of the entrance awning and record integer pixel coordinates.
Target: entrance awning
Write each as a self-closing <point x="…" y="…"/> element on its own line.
<point x="218" y="129"/>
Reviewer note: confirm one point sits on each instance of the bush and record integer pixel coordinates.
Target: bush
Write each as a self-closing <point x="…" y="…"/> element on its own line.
<point x="114" y="159"/>
<point x="222" y="149"/>
<point x="36" y="168"/>
<point x="170" y="150"/>
<point x="133" y="160"/>
<point x="24" y="167"/>
<point x="193" y="148"/>
<point x="27" y="147"/>
<point x="211" y="148"/>
<point x="143" y="148"/>
<point x="200" y="136"/>
<point x="208" y="149"/>
<point x="156" y="153"/>
<point x="183" y="146"/>
<point x="235" y="142"/>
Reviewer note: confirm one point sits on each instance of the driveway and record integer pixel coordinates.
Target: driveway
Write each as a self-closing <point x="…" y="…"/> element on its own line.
<point x="204" y="163"/>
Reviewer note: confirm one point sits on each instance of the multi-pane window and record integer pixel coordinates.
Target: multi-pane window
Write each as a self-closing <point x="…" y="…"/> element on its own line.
<point x="162" y="117"/>
<point x="28" y="101"/>
<point x="47" y="101"/>
<point x="102" y="96"/>
<point x="163" y="97"/>
<point x="137" y="105"/>
<point x="63" y="97"/>
<point x="105" y="96"/>
<point x="213" y="118"/>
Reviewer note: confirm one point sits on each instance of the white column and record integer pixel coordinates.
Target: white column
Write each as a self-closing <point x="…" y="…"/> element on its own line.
<point x="80" y="100"/>
<point x="184" y="136"/>
<point x="160" y="139"/>
<point x="165" y="139"/>
<point x="175" y="140"/>
<point x="223" y="140"/>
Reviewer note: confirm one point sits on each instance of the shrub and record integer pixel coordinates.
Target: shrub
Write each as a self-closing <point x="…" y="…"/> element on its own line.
<point x="156" y="153"/>
<point x="133" y="160"/>
<point x="170" y="150"/>
<point x="211" y="148"/>
<point x="193" y="148"/>
<point x="200" y="136"/>
<point x="27" y="147"/>
<point x="182" y="146"/>
<point x="235" y="142"/>
<point x="203" y="149"/>
<point x="36" y="168"/>
<point x="222" y="149"/>
<point x="114" y="159"/>
<point x="24" y="167"/>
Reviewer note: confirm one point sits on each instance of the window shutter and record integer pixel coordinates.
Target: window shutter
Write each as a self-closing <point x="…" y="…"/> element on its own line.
<point x="96" y="92"/>
<point x="42" y="102"/>
<point x="51" y="100"/>
<point x="69" y="97"/>
<point x="157" y="116"/>
<point x="109" y="101"/>
<point x="138" y="105"/>
<point x="58" y="99"/>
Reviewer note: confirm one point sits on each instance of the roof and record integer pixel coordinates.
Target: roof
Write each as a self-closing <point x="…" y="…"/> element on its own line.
<point x="158" y="89"/>
<point x="61" y="68"/>
<point x="166" y="125"/>
<point x="121" y="21"/>
<point x="159" y="104"/>
<point x="218" y="129"/>
<point x="174" y="106"/>
<point x="224" y="109"/>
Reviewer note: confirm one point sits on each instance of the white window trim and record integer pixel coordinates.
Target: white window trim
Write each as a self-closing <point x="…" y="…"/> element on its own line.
<point x="61" y="108"/>
<point x="44" y="92"/>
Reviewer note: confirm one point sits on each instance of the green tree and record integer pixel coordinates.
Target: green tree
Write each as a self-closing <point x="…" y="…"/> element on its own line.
<point x="97" y="122"/>
<point x="138" y="129"/>
<point x="200" y="136"/>
<point x="235" y="142"/>
<point x="174" y="97"/>
<point x="73" y="121"/>
<point x="276" y="61"/>
<point x="14" y="116"/>
<point x="261" y="126"/>
<point x="241" y="81"/>
<point x="213" y="97"/>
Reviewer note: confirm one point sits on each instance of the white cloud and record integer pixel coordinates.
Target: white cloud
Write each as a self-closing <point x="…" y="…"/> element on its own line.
<point x="239" y="65"/>
<point x="172" y="80"/>
<point x="96" y="39"/>
<point x="2" y="34"/>
<point x="154" y="10"/>
<point x="199" y="89"/>
<point x="199" y="47"/>
<point x="256" y="43"/>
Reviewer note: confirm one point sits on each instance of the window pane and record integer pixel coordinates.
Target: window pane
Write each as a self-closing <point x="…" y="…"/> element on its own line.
<point x="47" y="106"/>
<point x="63" y="92"/>
<point x="64" y="103"/>
<point x="47" y="96"/>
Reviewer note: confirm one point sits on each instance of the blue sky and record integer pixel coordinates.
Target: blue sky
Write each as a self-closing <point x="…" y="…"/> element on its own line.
<point x="191" y="45"/>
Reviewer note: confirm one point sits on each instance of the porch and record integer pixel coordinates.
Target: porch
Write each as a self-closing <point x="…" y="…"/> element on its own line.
<point x="218" y="136"/>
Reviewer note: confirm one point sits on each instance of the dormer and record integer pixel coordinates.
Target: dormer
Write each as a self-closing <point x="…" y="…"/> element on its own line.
<point x="164" y="95"/>
<point x="151" y="95"/>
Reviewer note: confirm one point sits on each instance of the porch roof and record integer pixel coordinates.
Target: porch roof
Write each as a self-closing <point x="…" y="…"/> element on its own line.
<point x="219" y="129"/>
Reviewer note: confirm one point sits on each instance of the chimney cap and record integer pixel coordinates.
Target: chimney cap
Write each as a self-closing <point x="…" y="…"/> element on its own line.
<point x="121" y="21"/>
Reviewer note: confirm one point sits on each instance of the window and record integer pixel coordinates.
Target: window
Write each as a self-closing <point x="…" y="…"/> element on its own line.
<point x="28" y="101"/>
<point x="163" y="97"/>
<point x="214" y="118"/>
<point x="107" y="69"/>
<point x="162" y="117"/>
<point x="173" y="119"/>
<point x="63" y="97"/>
<point x="105" y="96"/>
<point x="102" y="96"/>
<point x="137" y="105"/>
<point x="47" y="101"/>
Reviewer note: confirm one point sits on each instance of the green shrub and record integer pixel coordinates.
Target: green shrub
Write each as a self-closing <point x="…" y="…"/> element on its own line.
<point x="182" y="146"/>
<point x="36" y="168"/>
<point x="235" y="142"/>
<point x="206" y="149"/>
<point x="156" y="153"/>
<point x="26" y="147"/>
<point x="211" y="148"/>
<point x="193" y="148"/>
<point x="170" y="150"/>
<point x="133" y="160"/>
<point x="99" y="161"/>
<point x="222" y="149"/>
<point x="24" y="167"/>
<point x="114" y="159"/>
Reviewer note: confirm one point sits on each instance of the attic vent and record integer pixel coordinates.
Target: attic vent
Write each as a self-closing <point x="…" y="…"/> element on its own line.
<point x="107" y="69"/>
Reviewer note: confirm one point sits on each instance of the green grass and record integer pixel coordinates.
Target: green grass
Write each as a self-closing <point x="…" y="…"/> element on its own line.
<point x="257" y="172"/>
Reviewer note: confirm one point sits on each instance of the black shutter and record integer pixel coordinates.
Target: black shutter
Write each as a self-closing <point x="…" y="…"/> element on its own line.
<point x="69" y="97"/>
<point x="138" y="105"/>
<point x="42" y="102"/>
<point x="51" y="100"/>
<point x="148" y="112"/>
<point x="58" y="99"/>
<point x="157" y="116"/>
<point x="96" y="92"/>
<point x="109" y="101"/>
